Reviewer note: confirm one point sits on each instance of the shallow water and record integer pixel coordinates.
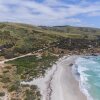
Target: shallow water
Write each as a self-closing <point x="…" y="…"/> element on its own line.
<point x="87" y="71"/>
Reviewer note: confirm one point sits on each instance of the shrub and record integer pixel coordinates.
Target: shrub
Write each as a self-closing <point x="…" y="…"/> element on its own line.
<point x="2" y="94"/>
<point x="5" y="79"/>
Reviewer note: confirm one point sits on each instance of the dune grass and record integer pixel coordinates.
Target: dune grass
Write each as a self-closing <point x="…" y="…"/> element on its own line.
<point x="32" y="65"/>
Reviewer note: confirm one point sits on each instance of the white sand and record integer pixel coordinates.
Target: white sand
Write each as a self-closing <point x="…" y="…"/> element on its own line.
<point x="69" y="85"/>
<point x="59" y="83"/>
<point x="43" y="82"/>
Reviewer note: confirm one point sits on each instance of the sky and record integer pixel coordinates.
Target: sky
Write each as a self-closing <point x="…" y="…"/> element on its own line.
<point x="51" y="12"/>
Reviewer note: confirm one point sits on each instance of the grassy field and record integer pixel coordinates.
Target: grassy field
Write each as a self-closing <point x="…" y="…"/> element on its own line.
<point x="32" y="66"/>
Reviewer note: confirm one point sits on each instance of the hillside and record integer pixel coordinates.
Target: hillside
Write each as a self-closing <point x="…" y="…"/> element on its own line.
<point x="16" y="39"/>
<point x="73" y="29"/>
<point x="27" y="52"/>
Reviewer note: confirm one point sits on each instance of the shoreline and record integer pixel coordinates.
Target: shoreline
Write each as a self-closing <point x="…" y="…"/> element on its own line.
<point x="59" y="83"/>
<point x="71" y="85"/>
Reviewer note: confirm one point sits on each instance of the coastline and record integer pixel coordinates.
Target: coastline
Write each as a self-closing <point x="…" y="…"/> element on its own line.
<point x="70" y="84"/>
<point x="59" y="83"/>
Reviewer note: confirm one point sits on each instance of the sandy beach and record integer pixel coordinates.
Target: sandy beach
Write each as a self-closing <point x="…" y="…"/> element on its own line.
<point x="69" y="85"/>
<point x="59" y="82"/>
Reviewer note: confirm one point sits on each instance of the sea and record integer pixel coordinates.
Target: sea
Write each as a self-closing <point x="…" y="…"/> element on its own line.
<point x="87" y="71"/>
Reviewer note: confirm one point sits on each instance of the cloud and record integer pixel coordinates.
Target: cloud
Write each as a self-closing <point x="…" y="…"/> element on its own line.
<point x="93" y="14"/>
<point x="47" y="12"/>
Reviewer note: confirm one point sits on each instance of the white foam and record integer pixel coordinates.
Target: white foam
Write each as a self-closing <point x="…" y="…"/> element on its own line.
<point x="84" y="86"/>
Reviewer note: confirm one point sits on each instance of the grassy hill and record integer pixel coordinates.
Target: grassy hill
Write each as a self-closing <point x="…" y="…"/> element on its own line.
<point x="20" y="38"/>
<point x="16" y="39"/>
<point x="71" y="30"/>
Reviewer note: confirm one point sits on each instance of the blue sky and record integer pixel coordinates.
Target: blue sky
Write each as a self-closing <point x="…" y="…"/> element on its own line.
<point x="51" y="12"/>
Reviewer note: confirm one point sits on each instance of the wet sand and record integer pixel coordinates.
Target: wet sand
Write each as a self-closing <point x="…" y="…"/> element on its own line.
<point x="64" y="85"/>
<point x="70" y="86"/>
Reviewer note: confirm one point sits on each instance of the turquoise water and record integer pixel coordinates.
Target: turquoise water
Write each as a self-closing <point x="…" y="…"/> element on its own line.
<point x="88" y="73"/>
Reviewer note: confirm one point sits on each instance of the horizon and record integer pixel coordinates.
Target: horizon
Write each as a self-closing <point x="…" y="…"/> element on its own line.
<point x="52" y="25"/>
<point x="78" y="13"/>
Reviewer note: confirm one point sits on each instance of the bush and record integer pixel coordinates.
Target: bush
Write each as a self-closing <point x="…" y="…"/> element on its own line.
<point x="2" y="94"/>
<point x="29" y="95"/>
<point x="33" y="87"/>
<point x="14" y="87"/>
<point x="6" y="71"/>
<point x="5" y="79"/>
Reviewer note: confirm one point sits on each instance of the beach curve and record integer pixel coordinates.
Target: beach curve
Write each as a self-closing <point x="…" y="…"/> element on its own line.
<point x="59" y="82"/>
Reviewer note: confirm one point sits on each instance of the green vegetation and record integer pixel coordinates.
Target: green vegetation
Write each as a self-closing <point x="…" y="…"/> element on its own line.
<point x="14" y="87"/>
<point x="74" y="30"/>
<point x="5" y="79"/>
<point x="25" y="69"/>
<point x="79" y="32"/>
<point x="17" y="39"/>
<point x="32" y="65"/>
<point x="30" y="95"/>
<point x="2" y="94"/>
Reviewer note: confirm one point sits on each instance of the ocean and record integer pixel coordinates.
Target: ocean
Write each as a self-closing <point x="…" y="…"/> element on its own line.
<point x="87" y="72"/>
